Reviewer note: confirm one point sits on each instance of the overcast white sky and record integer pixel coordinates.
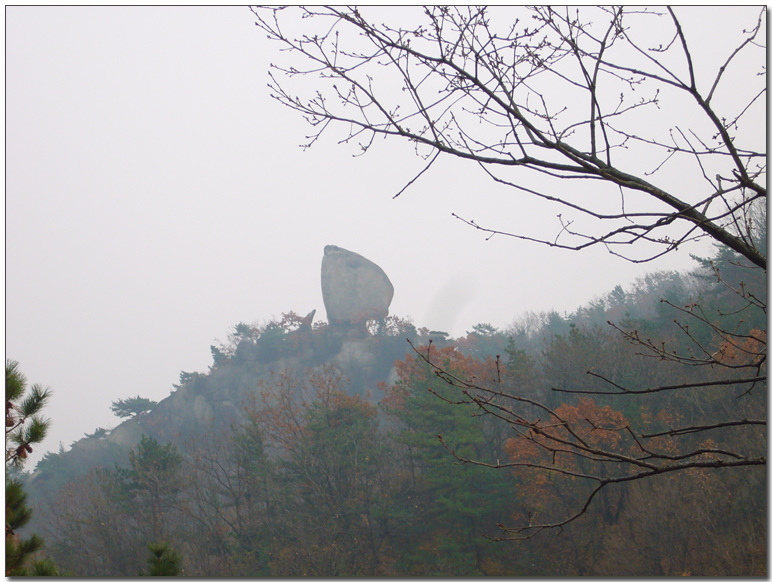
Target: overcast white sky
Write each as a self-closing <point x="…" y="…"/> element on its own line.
<point x="156" y="196"/>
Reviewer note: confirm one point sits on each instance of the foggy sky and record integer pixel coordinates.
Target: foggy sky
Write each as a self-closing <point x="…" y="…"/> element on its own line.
<point x="156" y="196"/>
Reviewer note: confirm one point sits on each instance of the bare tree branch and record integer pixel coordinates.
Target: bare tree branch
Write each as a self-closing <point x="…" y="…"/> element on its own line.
<point x="462" y="66"/>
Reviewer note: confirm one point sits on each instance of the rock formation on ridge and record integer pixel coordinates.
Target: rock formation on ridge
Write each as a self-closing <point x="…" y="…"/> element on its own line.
<point x="354" y="289"/>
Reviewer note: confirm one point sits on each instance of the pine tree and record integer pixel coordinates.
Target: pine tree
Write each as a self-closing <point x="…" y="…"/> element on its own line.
<point x="131" y="407"/>
<point x="23" y="424"/>
<point x="23" y="428"/>
<point x="147" y="488"/>
<point x="163" y="561"/>
<point x="451" y="503"/>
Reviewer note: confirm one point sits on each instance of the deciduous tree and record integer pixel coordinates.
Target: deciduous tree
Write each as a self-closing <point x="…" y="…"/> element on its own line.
<point x="333" y="466"/>
<point x="610" y="96"/>
<point x="610" y="114"/>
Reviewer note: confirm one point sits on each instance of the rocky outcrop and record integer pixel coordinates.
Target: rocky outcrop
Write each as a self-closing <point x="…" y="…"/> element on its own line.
<point x="354" y="289"/>
<point x="307" y="322"/>
<point x="247" y="351"/>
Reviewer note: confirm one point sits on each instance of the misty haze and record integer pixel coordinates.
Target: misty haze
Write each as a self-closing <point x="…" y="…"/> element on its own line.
<point x="386" y="291"/>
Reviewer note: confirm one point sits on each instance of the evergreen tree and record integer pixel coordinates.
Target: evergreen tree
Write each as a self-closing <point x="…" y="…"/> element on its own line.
<point x="450" y="505"/>
<point x="23" y="427"/>
<point x="23" y="424"/>
<point x="163" y="561"/>
<point x="148" y="488"/>
<point x="331" y="498"/>
<point x="131" y="407"/>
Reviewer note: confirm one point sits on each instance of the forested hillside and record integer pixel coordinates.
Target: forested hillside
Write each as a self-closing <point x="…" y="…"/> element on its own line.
<point x="399" y="453"/>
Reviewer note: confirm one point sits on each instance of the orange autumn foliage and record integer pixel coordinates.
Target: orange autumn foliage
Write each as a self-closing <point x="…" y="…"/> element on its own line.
<point x="748" y="351"/>
<point x="480" y="372"/>
<point x="574" y="430"/>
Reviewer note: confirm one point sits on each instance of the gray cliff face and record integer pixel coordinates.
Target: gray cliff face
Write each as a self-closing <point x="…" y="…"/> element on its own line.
<point x="354" y="289"/>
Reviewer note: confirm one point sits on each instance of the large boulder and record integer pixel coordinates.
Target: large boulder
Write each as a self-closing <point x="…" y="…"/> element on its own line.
<point x="354" y="289"/>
